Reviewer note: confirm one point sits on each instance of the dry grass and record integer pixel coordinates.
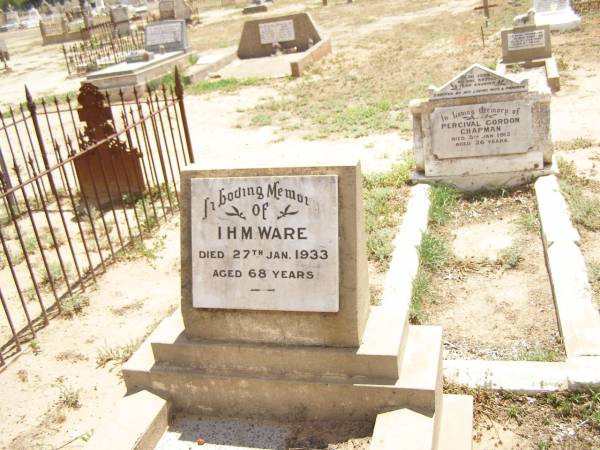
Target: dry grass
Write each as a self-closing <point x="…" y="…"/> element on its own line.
<point x="365" y="88"/>
<point x="557" y="420"/>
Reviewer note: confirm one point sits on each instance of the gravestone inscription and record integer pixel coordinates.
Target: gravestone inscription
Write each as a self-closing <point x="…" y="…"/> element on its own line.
<point x="280" y="31"/>
<point x="170" y="34"/>
<point x="529" y="39"/>
<point x="265" y="243"/>
<point x="499" y="128"/>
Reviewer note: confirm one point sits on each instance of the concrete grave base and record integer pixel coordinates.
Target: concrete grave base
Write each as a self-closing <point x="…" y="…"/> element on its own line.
<point x="549" y="65"/>
<point x="126" y="76"/>
<point x="208" y="63"/>
<point x="487" y="180"/>
<point x="293" y="64"/>
<point x="396" y="370"/>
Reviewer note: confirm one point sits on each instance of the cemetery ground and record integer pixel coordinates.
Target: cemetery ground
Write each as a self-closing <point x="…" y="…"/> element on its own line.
<point x="385" y="53"/>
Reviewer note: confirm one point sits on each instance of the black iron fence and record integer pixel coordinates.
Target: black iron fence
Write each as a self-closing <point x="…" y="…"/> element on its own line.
<point x="101" y="51"/>
<point x="79" y="185"/>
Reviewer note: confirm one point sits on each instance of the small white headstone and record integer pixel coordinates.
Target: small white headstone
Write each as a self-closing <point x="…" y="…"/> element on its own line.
<point x="556" y="13"/>
<point x="265" y="243"/>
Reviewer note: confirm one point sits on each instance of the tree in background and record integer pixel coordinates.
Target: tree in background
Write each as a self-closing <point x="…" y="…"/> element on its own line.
<point x="22" y="5"/>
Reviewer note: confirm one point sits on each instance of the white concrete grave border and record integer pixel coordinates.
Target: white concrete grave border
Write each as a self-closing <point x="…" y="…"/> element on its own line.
<point x="579" y="321"/>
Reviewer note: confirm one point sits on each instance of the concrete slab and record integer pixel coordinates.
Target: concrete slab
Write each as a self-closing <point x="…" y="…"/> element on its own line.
<point x="267" y="67"/>
<point x="146" y="417"/>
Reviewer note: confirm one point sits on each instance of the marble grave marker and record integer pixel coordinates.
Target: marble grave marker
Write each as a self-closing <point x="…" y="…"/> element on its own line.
<point x="265" y="243"/>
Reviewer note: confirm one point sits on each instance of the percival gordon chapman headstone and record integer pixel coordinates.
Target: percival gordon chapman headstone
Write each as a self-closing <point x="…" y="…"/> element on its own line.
<point x="482" y="130"/>
<point x="556" y="13"/>
<point x="170" y="35"/>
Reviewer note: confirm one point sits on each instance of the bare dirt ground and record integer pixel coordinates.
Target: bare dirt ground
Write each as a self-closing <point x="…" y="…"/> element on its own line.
<point x="56" y="391"/>
<point x="493" y="296"/>
<point x="41" y="68"/>
<point x="66" y="380"/>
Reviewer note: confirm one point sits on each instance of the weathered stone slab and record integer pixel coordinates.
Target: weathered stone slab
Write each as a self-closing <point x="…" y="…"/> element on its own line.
<point x="482" y="130"/>
<point x="168" y="34"/>
<point x="265" y="243"/>
<point x="477" y="80"/>
<point x="526" y="44"/>
<point x="499" y="128"/>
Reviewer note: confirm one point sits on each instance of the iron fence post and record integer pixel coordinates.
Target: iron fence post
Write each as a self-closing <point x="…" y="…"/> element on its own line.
<point x="186" y="131"/>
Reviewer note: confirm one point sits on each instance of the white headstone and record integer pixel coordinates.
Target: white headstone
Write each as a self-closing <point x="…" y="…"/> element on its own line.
<point x="265" y="243"/>
<point x="482" y="130"/>
<point x="556" y="13"/>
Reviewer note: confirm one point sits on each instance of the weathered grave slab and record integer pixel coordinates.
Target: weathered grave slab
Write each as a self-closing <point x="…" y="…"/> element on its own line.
<point x="265" y="243"/>
<point x="482" y="129"/>
<point x="128" y="75"/>
<point x="166" y="36"/>
<point x="558" y="14"/>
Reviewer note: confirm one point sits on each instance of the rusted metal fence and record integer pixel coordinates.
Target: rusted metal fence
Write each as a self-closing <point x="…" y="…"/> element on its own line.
<point x="101" y="51"/>
<point x="78" y="186"/>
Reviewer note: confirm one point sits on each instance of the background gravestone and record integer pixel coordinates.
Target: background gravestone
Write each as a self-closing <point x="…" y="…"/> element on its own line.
<point x="526" y="44"/>
<point x="174" y="10"/>
<point x="120" y="17"/>
<point x="556" y="13"/>
<point x="168" y="34"/>
<point x="294" y="30"/>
